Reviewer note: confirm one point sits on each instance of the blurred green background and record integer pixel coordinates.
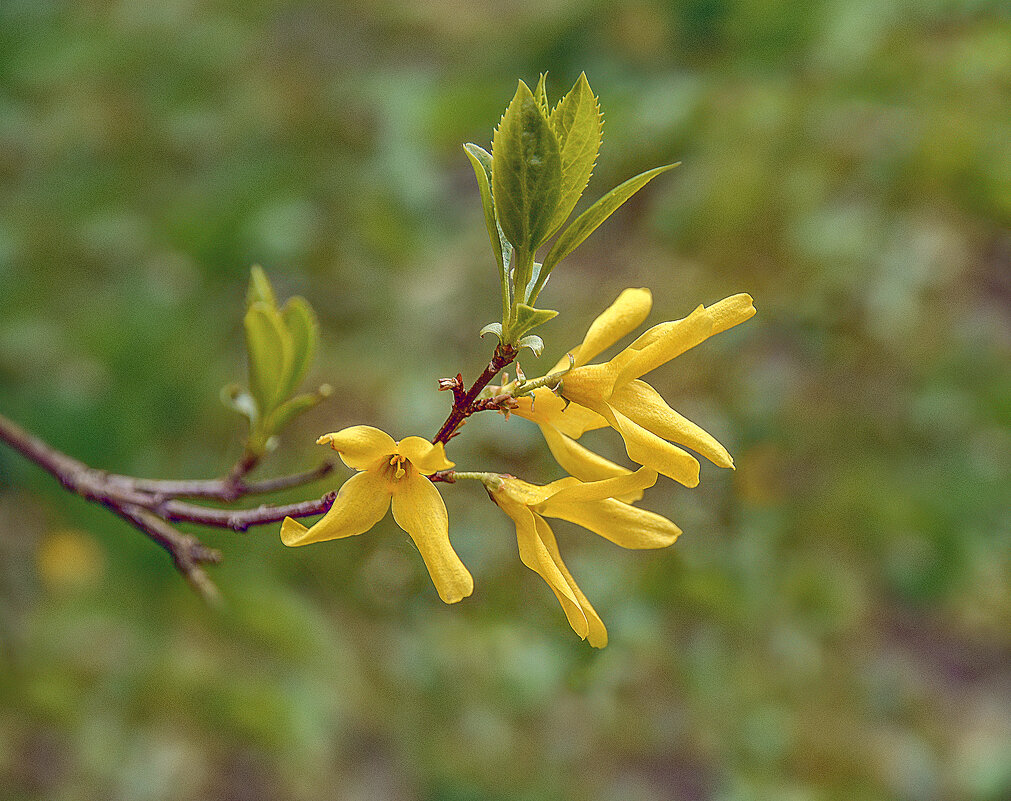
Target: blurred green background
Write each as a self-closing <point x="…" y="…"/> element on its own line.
<point x="835" y="622"/>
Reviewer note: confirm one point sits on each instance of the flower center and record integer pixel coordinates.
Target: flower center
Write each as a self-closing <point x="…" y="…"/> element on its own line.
<point x="397" y="463"/>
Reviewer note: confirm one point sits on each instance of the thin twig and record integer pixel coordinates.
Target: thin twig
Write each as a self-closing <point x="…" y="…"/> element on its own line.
<point x="149" y="504"/>
<point x="240" y="520"/>
<point x="187" y="552"/>
<point x="218" y="489"/>
<point x="463" y="402"/>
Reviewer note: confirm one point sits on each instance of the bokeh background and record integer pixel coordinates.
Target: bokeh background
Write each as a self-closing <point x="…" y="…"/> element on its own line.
<point x="835" y="623"/>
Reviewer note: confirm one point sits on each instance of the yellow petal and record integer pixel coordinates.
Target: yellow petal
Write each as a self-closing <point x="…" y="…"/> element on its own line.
<point x="589" y="385"/>
<point x="361" y="503"/>
<point x="668" y="340"/>
<point x="597" y="635"/>
<point x="583" y="463"/>
<point x="535" y="555"/>
<point x="360" y="447"/>
<point x="419" y="510"/>
<point x="522" y="492"/>
<point x="731" y="311"/>
<point x="620" y="318"/>
<point x="544" y="407"/>
<point x="618" y="522"/>
<point x="646" y="448"/>
<point x="599" y="490"/>
<point x="425" y="456"/>
<point x="642" y="404"/>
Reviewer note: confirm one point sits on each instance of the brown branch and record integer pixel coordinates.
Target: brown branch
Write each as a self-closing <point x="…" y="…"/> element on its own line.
<point x="218" y="489"/>
<point x="187" y="552"/>
<point x="150" y="504"/>
<point x="240" y="520"/>
<point x="464" y="402"/>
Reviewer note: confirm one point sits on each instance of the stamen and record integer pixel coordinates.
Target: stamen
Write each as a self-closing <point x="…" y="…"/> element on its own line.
<point x="397" y="461"/>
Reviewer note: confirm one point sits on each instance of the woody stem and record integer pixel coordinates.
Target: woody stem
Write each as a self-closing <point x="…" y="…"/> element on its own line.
<point x="151" y="504"/>
<point x="464" y="404"/>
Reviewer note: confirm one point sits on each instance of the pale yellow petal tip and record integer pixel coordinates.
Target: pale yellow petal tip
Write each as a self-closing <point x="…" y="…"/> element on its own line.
<point x="690" y="481"/>
<point x="458" y="593"/>
<point x="641" y="294"/>
<point x="326" y="439"/>
<point x="291" y="532"/>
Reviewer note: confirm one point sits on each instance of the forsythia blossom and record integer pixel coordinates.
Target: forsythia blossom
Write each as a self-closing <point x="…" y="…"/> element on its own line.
<point x="614" y="392"/>
<point x="394" y="473"/>
<point x="592" y="505"/>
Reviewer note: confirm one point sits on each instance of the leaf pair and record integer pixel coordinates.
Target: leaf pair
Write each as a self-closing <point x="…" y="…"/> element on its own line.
<point x="280" y="344"/>
<point x="539" y="167"/>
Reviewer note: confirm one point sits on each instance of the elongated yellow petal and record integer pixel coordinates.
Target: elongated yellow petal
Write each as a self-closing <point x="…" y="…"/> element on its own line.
<point x="597" y="632"/>
<point x="646" y="448"/>
<point x="522" y="492"/>
<point x="425" y="456"/>
<point x="617" y="320"/>
<point x="361" y="503"/>
<point x="360" y="447"/>
<point x="536" y="556"/>
<point x="419" y="510"/>
<point x="599" y="490"/>
<point x="583" y="463"/>
<point x="668" y="340"/>
<point x="621" y="523"/>
<point x="731" y="311"/>
<point x="643" y="405"/>
<point x="544" y="407"/>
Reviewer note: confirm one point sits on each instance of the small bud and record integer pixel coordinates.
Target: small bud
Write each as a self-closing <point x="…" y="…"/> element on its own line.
<point x="451" y="383"/>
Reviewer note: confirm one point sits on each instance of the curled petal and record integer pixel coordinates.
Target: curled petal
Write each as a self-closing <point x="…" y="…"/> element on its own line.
<point x="618" y="522"/>
<point x="620" y="318"/>
<point x="419" y="510"/>
<point x="646" y="448"/>
<point x="425" y="456"/>
<point x="361" y="503"/>
<point x="642" y="404"/>
<point x="583" y="463"/>
<point x="544" y="407"/>
<point x="666" y="341"/>
<point x="534" y="554"/>
<point x="360" y="447"/>
<point x="522" y="492"/>
<point x="597" y="633"/>
<point x="731" y="311"/>
<point x="615" y="487"/>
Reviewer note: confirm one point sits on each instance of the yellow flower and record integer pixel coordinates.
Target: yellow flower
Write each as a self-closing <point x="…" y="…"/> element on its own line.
<point x="592" y="505"/>
<point x="391" y="471"/>
<point x="632" y="407"/>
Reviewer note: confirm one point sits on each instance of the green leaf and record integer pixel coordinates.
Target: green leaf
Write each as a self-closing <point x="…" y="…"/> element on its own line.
<point x="577" y="125"/>
<point x="260" y="290"/>
<point x="491" y="328"/>
<point x="303" y="332"/>
<point x="293" y="407"/>
<point x="535" y="273"/>
<point x="267" y="343"/>
<point x="480" y="160"/>
<point x="587" y="222"/>
<point x="527" y="318"/>
<point x="526" y="172"/>
<point x="541" y="94"/>
<point x="532" y="341"/>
